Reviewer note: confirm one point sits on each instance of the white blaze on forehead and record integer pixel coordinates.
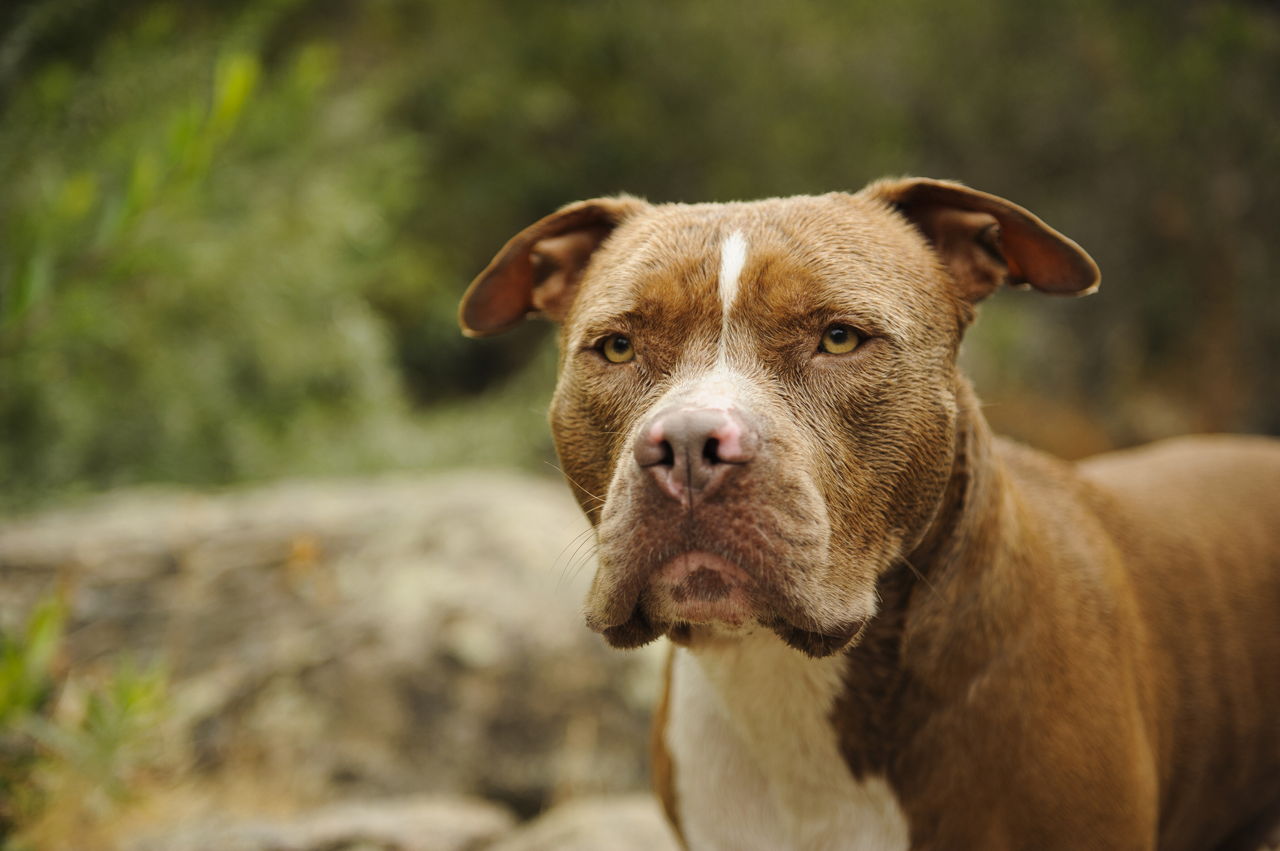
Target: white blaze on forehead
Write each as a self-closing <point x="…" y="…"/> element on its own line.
<point x="733" y="256"/>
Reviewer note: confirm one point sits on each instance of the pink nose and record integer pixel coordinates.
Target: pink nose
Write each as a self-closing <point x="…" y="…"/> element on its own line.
<point x="690" y="452"/>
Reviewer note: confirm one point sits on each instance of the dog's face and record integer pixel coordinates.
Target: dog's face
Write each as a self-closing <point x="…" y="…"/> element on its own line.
<point x="815" y="332"/>
<point x="756" y="404"/>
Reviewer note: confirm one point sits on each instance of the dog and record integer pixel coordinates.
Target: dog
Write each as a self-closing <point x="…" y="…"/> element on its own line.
<point x="891" y="629"/>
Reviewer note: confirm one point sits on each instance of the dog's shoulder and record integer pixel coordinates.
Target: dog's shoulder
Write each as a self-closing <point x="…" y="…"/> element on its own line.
<point x="1049" y="488"/>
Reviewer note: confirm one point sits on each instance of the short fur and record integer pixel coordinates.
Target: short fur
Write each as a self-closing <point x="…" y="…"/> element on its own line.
<point x="1031" y="654"/>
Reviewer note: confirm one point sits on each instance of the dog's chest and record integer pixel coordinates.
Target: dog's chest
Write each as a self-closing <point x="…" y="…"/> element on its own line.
<point x="756" y="760"/>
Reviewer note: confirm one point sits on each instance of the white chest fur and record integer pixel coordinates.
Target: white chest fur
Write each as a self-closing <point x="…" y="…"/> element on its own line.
<point x="755" y="756"/>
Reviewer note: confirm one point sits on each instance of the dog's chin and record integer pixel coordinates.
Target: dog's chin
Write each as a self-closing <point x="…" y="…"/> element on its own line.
<point x="702" y="588"/>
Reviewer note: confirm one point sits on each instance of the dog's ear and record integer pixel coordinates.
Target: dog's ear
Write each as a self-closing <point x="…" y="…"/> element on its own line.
<point x="986" y="241"/>
<point x="538" y="270"/>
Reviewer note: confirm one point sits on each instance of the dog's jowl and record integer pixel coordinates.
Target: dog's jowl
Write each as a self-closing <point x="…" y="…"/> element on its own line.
<point x="891" y="629"/>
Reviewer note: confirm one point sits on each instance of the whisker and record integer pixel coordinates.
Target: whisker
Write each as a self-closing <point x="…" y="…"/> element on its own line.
<point x="561" y="471"/>
<point x="593" y="550"/>
<point x="919" y="575"/>
<point x="576" y="542"/>
<point x="580" y="558"/>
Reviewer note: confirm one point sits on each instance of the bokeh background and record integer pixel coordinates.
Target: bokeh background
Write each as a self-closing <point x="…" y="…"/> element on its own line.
<point x="233" y="234"/>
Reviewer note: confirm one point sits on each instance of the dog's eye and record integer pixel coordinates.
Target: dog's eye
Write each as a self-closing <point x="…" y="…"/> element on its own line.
<point x="616" y="348"/>
<point x="839" y="340"/>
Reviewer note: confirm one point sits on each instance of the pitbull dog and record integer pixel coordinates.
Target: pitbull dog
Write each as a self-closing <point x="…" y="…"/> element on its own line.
<point x="893" y="630"/>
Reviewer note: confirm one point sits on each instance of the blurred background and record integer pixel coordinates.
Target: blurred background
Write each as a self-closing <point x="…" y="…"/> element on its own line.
<point x="240" y="571"/>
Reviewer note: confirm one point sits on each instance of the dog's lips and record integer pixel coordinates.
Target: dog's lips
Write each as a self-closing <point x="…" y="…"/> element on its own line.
<point x="751" y="561"/>
<point x="699" y="590"/>
<point x="702" y="588"/>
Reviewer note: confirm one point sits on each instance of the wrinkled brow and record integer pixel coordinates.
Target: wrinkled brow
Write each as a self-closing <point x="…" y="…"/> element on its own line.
<point x="650" y="296"/>
<point x="784" y="292"/>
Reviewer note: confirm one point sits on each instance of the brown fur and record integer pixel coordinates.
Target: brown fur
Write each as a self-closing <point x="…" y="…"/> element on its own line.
<point x="1039" y="655"/>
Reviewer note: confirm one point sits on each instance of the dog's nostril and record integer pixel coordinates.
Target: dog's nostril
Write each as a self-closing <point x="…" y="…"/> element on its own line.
<point x="652" y="449"/>
<point x="711" y="450"/>
<point x="668" y="458"/>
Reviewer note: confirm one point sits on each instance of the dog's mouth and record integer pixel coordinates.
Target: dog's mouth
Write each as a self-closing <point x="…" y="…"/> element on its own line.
<point x="700" y="589"/>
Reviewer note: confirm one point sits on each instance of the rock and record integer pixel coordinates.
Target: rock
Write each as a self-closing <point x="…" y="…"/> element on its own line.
<point x="617" y="823"/>
<point x="426" y="824"/>
<point x="388" y="636"/>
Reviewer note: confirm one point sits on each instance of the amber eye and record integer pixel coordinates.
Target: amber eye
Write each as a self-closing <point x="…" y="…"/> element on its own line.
<point x="617" y="348"/>
<point x="839" y="340"/>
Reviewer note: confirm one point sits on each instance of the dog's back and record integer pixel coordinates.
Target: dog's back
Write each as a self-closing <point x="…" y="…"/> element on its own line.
<point x="1195" y="521"/>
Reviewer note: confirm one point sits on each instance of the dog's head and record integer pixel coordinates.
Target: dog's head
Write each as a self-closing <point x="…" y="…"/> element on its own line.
<point x="757" y="402"/>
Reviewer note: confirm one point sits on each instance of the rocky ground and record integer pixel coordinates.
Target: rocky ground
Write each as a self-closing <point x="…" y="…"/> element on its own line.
<point x="431" y="823"/>
<point x="397" y="663"/>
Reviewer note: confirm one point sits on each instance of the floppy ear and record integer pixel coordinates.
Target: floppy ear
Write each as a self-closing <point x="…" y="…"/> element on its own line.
<point x="538" y="270"/>
<point x="986" y="241"/>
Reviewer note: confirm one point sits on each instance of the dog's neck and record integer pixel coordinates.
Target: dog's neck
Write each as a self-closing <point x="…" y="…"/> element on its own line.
<point x="972" y="492"/>
<point x="930" y="602"/>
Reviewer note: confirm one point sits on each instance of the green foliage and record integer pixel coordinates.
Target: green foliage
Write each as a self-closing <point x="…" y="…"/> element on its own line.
<point x="74" y="742"/>
<point x="170" y="313"/>
<point x="26" y="663"/>
<point x="107" y="740"/>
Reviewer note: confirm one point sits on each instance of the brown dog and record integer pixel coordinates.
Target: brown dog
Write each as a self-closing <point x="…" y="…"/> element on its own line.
<point x="893" y="630"/>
